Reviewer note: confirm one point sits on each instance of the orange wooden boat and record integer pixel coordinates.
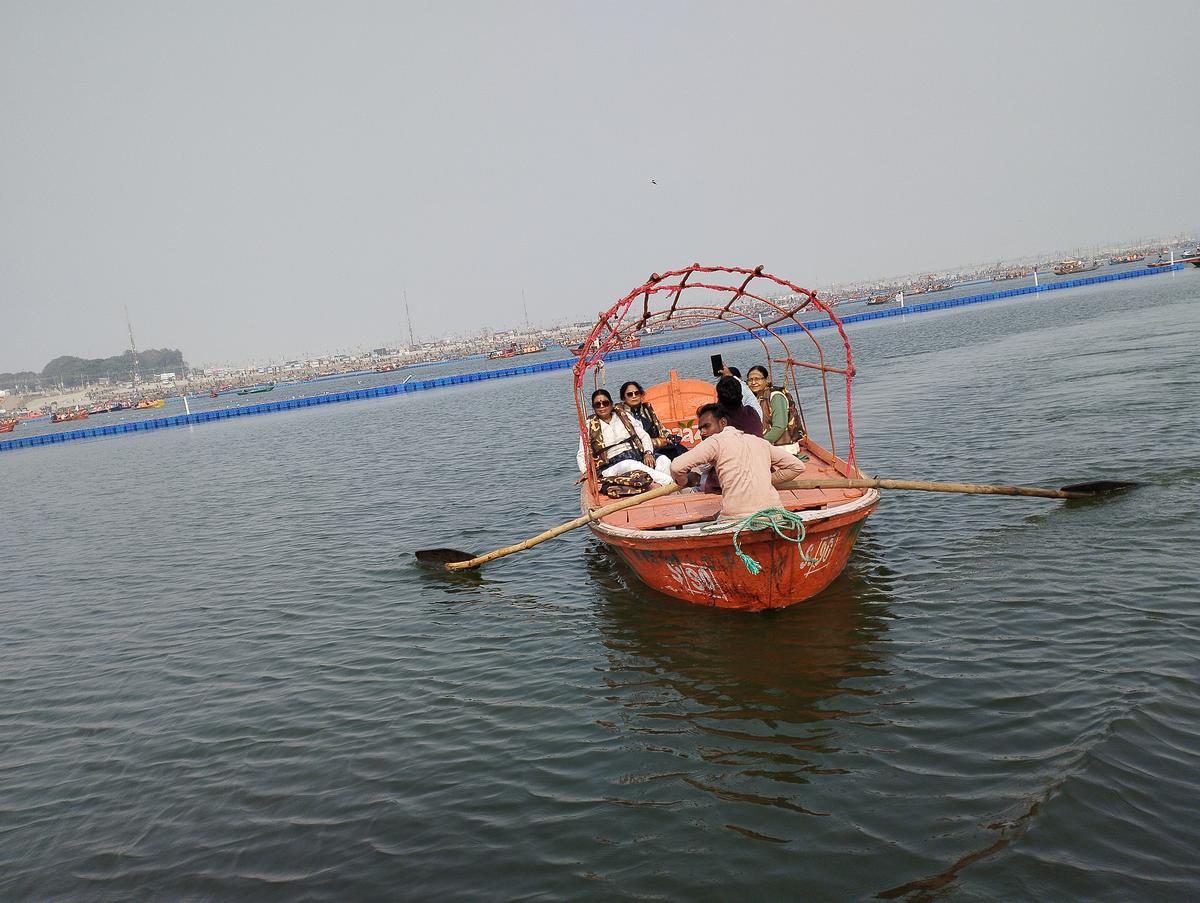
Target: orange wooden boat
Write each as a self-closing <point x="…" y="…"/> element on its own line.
<point x="7" y="426"/>
<point x="673" y="543"/>
<point x="64" y="416"/>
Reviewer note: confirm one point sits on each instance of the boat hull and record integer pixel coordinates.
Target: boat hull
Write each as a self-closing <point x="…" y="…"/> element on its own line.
<point x="68" y="416"/>
<point x="706" y="570"/>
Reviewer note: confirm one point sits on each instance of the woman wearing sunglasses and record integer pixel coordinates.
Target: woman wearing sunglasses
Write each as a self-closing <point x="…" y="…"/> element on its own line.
<point x="619" y="443"/>
<point x="633" y="400"/>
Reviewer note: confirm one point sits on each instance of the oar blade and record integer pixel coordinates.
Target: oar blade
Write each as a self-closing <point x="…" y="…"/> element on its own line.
<point x="439" y="558"/>
<point x="1100" y="487"/>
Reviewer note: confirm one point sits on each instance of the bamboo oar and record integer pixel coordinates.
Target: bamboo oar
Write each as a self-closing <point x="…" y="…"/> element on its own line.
<point x="454" y="560"/>
<point x="1074" y="491"/>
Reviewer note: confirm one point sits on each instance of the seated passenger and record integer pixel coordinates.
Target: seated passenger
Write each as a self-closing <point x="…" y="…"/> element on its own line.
<point x="748" y="398"/>
<point x="780" y="415"/>
<point x="619" y="444"/>
<point x="633" y="401"/>
<point x="747" y="467"/>
<point x="739" y="414"/>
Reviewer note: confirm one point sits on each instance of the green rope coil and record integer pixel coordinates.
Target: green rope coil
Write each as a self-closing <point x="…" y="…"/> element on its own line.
<point x="777" y="519"/>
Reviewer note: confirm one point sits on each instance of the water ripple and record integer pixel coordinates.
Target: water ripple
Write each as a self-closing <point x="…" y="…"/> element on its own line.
<point x="223" y="676"/>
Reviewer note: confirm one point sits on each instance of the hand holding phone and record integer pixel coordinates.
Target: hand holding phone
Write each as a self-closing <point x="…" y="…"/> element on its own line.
<point x="718" y="365"/>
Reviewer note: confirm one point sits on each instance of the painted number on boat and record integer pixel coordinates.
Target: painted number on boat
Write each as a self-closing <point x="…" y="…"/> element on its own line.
<point x="819" y="554"/>
<point x="695" y="578"/>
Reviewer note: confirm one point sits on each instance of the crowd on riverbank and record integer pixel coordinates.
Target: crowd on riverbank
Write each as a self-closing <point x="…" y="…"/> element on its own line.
<point x="222" y="380"/>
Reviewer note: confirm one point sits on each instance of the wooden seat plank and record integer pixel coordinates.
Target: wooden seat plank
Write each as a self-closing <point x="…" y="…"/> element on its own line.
<point x="681" y="510"/>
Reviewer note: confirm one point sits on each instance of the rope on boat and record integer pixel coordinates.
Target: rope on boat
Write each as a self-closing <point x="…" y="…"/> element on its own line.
<point x="777" y="519"/>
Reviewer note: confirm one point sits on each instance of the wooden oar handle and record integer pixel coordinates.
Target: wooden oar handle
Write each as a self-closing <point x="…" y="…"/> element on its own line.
<point x="564" y="528"/>
<point x="922" y="486"/>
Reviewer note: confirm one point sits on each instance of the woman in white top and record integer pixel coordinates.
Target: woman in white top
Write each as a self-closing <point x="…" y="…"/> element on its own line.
<point x="620" y="444"/>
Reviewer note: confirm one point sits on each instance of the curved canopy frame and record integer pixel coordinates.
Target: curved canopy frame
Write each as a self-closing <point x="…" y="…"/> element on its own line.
<point x="698" y="295"/>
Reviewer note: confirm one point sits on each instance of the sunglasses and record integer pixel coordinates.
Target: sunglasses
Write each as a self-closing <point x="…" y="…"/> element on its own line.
<point x="632" y="393"/>
<point x="601" y="403"/>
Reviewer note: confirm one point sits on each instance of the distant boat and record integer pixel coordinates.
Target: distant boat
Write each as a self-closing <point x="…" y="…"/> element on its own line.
<point x="1011" y="274"/>
<point x="929" y="288"/>
<point x="7" y="426"/>
<point x="514" y="350"/>
<point x="254" y="390"/>
<point x="105" y="407"/>
<point x="881" y="299"/>
<point x="1070" y="267"/>
<point x="64" y="416"/>
<point x="622" y="343"/>
<point x="1192" y="257"/>
<point x="1125" y="258"/>
<point x="150" y="403"/>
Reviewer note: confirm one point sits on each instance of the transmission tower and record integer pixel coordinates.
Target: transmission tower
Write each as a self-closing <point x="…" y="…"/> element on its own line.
<point x="412" y="342"/>
<point x="134" y="373"/>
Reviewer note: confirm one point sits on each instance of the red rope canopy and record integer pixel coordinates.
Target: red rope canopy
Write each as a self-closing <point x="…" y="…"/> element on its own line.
<point x="720" y="295"/>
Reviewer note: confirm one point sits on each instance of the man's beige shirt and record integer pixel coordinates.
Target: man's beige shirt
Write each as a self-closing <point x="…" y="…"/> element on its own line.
<point x="743" y="465"/>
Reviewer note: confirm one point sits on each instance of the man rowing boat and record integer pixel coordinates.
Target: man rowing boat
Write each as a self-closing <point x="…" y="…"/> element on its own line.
<point x="748" y="468"/>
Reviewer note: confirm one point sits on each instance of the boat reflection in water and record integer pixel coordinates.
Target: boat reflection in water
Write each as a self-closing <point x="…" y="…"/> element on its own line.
<point x="742" y="708"/>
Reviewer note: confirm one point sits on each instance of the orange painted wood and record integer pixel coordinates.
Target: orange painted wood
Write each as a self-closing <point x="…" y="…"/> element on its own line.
<point x="675" y="402"/>
<point x="705" y="569"/>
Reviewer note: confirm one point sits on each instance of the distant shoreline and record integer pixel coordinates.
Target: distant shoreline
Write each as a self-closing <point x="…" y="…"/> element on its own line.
<point x="557" y="364"/>
<point x="447" y="351"/>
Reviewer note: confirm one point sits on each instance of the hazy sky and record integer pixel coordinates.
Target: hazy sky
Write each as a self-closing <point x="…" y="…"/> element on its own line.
<point x="261" y="180"/>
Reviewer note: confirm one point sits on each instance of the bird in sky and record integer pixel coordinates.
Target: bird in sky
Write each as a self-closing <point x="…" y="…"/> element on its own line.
<point x="652" y="182"/>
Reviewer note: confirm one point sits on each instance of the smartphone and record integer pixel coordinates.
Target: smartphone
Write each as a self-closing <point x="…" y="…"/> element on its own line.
<point x="718" y="364"/>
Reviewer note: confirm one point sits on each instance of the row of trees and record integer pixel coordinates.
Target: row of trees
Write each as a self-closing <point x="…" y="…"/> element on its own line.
<point x="74" y="372"/>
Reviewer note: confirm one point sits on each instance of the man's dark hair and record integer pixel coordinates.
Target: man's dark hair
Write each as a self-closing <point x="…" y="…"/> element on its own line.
<point x="735" y="371"/>
<point x="717" y="412"/>
<point x="729" y="394"/>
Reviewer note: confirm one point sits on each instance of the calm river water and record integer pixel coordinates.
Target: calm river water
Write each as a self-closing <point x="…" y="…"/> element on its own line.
<point x="223" y="676"/>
